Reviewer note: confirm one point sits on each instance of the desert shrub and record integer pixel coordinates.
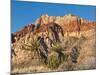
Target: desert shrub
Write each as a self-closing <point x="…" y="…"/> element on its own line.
<point x="71" y="41"/>
<point x="74" y="54"/>
<point x="32" y="46"/>
<point x="82" y="39"/>
<point x="53" y="62"/>
<point x="36" y="48"/>
<point x="57" y="47"/>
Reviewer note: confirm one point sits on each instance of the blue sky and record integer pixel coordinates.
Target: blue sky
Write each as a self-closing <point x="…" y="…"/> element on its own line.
<point x="24" y="13"/>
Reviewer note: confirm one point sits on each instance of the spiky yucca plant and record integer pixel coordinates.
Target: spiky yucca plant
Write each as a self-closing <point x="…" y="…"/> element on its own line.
<point x="36" y="47"/>
<point x="32" y="46"/>
<point x="55" y="60"/>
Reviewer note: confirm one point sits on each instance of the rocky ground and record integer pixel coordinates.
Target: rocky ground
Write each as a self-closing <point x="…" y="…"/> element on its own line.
<point x="54" y="44"/>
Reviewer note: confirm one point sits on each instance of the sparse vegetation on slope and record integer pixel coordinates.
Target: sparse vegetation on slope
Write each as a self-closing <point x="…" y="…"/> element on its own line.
<point x="59" y="45"/>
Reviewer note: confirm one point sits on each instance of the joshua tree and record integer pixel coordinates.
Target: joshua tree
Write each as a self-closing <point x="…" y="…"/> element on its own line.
<point x="58" y="49"/>
<point x="36" y="47"/>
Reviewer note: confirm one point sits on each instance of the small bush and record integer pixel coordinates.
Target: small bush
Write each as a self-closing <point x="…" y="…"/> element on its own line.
<point x="36" y="48"/>
<point x="74" y="54"/>
<point x="53" y="62"/>
<point x="71" y="41"/>
<point x="82" y="39"/>
<point x="57" y="58"/>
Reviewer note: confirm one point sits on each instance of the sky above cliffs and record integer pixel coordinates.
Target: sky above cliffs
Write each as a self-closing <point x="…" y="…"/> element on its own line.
<point x="24" y="13"/>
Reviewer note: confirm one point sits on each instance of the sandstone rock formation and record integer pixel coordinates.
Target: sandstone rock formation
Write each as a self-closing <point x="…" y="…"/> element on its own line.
<point x="68" y="22"/>
<point x="26" y="30"/>
<point x="69" y="35"/>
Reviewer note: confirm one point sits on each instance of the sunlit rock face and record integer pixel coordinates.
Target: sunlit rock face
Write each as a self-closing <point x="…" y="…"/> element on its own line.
<point x="68" y="22"/>
<point x="68" y="31"/>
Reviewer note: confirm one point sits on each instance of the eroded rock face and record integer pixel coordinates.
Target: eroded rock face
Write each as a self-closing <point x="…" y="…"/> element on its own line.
<point x="26" y="30"/>
<point x="69" y="22"/>
<point x="55" y="25"/>
<point x="50" y="29"/>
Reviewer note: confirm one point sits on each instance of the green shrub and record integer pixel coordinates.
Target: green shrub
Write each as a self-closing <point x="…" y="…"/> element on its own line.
<point x="32" y="46"/>
<point x="36" y="48"/>
<point x="53" y="62"/>
<point x="57" y="47"/>
<point x="57" y="58"/>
